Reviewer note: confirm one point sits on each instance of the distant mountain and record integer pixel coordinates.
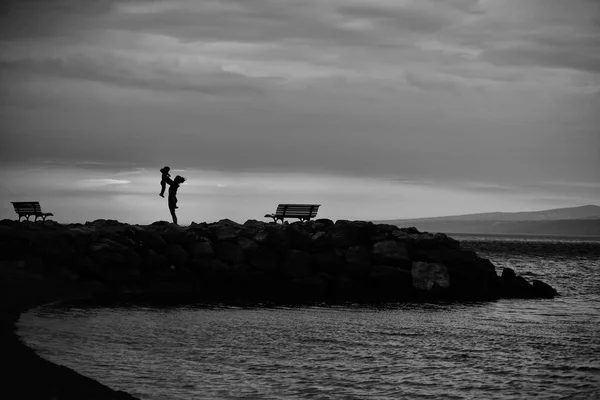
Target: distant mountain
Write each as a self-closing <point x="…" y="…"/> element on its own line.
<point x="584" y="220"/>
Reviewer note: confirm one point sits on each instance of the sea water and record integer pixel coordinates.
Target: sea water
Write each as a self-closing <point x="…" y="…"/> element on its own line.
<point x="506" y="349"/>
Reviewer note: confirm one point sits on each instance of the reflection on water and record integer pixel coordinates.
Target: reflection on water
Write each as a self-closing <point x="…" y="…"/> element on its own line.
<point x="505" y="349"/>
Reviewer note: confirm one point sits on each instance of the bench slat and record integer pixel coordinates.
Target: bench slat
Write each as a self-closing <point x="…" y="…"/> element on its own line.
<point x="29" y="208"/>
<point x="301" y="211"/>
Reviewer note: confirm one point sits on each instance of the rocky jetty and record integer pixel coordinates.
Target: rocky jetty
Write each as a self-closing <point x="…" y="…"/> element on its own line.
<point x="320" y="260"/>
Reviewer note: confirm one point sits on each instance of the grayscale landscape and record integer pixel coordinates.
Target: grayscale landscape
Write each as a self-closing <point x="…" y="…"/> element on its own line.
<point x="299" y="199"/>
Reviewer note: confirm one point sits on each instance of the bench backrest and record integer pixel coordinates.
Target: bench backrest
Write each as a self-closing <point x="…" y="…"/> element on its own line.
<point x="27" y="207"/>
<point x="297" y="210"/>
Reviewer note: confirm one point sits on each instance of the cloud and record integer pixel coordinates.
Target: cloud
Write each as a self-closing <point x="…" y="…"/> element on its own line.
<point x="153" y="74"/>
<point x="94" y="183"/>
<point x="435" y="81"/>
<point x="574" y="53"/>
<point x="418" y="17"/>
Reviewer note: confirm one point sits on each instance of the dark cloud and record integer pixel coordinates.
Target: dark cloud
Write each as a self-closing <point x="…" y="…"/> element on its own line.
<point x="119" y="71"/>
<point x="348" y="102"/>
<point x="411" y="19"/>
<point x="574" y="53"/>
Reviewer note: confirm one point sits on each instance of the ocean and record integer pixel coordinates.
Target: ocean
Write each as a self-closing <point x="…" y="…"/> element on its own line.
<point x="506" y="349"/>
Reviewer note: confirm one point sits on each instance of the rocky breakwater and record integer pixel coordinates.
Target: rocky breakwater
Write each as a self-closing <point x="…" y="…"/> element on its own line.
<point x="318" y="260"/>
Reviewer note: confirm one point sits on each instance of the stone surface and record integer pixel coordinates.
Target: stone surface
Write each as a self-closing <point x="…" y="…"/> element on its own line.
<point x="430" y="277"/>
<point x="390" y="252"/>
<point x="342" y="260"/>
<point x="297" y="263"/>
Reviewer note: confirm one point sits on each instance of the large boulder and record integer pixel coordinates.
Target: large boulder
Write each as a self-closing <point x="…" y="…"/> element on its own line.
<point x="543" y="290"/>
<point x="226" y="229"/>
<point x="345" y="234"/>
<point x="154" y="241"/>
<point x="229" y="252"/>
<point x="297" y="264"/>
<point x="201" y="248"/>
<point x="430" y="277"/>
<point x="390" y="283"/>
<point x="358" y="262"/>
<point x="320" y="240"/>
<point x="177" y="255"/>
<point x="331" y="261"/>
<point x="379" y="232"/>
<point x="390" y="252"/>
<point x="265" y="259"/>
<point x="247" y="245"/>
<point x="321" y="225"/>
<point x="515" y="286"/>
<point x="298" y="237"/>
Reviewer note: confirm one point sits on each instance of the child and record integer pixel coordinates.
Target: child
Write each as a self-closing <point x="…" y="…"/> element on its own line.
<point x="163" y="181"/>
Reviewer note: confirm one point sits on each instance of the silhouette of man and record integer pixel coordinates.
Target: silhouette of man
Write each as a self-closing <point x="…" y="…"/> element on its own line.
<point x="172" y="199"/>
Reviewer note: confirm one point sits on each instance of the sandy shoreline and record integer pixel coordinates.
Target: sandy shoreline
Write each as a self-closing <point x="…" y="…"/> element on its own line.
<point x="26" y="374"/>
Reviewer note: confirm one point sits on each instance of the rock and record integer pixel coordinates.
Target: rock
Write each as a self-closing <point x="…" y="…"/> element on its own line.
<point x="379" y="232"/>
<point x="331" y="261"/>
<point x="430" y="277"/>
<point x="251" y="228"/>
<point x="298" y="238"/>
<point x="322" y="224"/>
<point x="226" y="229"/>
<point x="158" y="223"/>
<point x="176" y="255"/>
<point x="102" y="223"/>
<point x="381" y="273"/>
<point x="173" y="234"/>
<point x="306" y="289"/>
<point x="390" y="283"/>
<point x="154" y="261"/>
<point x="358" y="261"/>
<point x="155" y="242"/>
<point x="508" y="274"/>
<point x="514" y="286"/>
<point x="273" y="236"/>
<point x="445" y="255"/>
<point x="297" y="263"/>
<point x="55" y="246"/>
<point x="319" y="240"/>
<point x="265" y="259"/>
<point x="316" y="260"/>
<point x="390" y="252"/>
<point x="543" y="290"/>
<point x="201" y="249"/>
<point x="411" y="230"/>
<point x="344" y="234"/>
<point x="229" y="252"/>
<point x="82" y="264"/>
<point x="247" y="245"/>
<point x="400" y="235"/>
<point x="262" y="236"/>
<point x="133" y="260"/>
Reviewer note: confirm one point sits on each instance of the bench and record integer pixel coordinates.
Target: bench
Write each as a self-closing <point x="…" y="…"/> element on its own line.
<point x="304" y="212"/>
<point x="28" y="208"/>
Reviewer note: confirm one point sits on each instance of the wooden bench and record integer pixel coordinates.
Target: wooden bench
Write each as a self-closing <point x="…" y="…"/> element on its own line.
<point x="302" y="211"/>
<point x="28" y="208"/>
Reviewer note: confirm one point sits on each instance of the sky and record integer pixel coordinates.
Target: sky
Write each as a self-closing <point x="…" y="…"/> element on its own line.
<point x="375" y="109"/>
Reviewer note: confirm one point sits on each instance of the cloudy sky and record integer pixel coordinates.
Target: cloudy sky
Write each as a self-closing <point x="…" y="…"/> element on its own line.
<point x="374" y="109"/>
